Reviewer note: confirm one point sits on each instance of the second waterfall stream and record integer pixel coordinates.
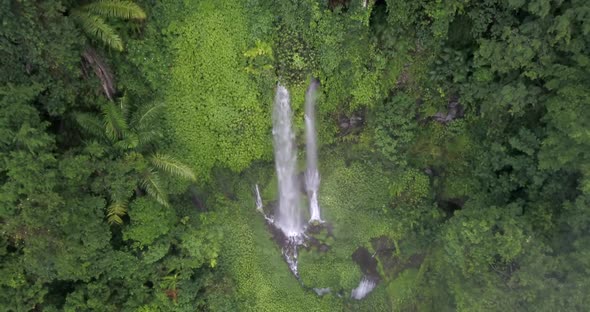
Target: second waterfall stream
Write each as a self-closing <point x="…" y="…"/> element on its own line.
<point x="312" y="175"/>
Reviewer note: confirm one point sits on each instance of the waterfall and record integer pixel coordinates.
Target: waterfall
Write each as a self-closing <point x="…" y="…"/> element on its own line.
<point x="312" y="175"/>
<point x="288" y="217"/>
<point x="259" y="206"/>
<point x="290" y="253"/>
<point x="365" y="287"/>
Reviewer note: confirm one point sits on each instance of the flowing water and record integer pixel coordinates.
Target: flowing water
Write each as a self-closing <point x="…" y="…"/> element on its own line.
<point x="322" y="291"/>
<point x="290" y="253"/>
<point x="365" y="287"/>
<point x="312" y="175"/>
<point x="259" y="206"/>
<point x="288" y="217"/>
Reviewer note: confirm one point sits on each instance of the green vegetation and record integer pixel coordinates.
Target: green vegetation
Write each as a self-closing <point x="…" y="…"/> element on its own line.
<point x="454" y="154"/>
<point x="91" y="18"/>
<point x="215" y="114"/>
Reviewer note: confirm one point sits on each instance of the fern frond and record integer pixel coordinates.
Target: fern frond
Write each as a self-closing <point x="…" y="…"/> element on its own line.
<point x="116" y="211"/>
<point x="90" y="123"/>
<point x="124" y="105"/>
<point x="147" y="114"/>
<point x="172" y="166"/>
<point x="130" y="141"/>
<point x="96" y="27"/>
<point x="151" y="184"/>
<point x="117" y="9"/>
<point x="148" y="137"/>
<point x="114" y="122"/>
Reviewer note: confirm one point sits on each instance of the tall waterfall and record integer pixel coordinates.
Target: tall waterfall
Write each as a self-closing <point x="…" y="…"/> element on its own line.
<point x="312" y="175"/>
<point x="288" y="217"/>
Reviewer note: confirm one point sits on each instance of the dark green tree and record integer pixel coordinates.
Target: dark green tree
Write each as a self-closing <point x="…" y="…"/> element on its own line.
<point x="134" y="138"/>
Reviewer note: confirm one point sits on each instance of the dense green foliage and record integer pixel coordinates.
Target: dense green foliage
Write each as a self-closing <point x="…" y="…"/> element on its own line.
<point x="91" y="18"/>
<point x="454" y="150"/>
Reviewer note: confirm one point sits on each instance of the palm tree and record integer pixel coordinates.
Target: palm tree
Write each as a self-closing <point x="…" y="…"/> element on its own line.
<point x="133" y="137"/>
<point x="92" y="19"/>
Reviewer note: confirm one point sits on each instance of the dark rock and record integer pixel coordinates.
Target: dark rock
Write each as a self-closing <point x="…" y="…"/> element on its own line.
<point x="454" y="110"/>
<point x="366" y="262"/>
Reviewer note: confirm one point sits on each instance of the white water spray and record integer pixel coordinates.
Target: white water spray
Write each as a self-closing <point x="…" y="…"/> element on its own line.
<point x="365" y="287"/>
<point x="312" y="175"/>
<point x="288" y="217"/>
<point x="260" y="206"/>
<point x="258" y="200"/>
<point x="290" y="253"/>
<point x="322" y="291"/>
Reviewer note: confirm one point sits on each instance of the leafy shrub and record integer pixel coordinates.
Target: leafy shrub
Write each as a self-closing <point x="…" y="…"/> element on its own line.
<point x="393" y="124"/>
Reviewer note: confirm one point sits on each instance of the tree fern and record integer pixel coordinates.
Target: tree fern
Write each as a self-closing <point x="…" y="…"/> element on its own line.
<point x="130" y="141"/>
<point x="91" y="18"/>
<point x="114" y="122"/>
<point x="149" y="137"/>
<point x="172" y="166"/>
<point x="96" y="28"/>
<point x="147" y="114"/>
<point x="90" y="123"/>
<point x="124" y="105"/>
<point x="151" y="184"/>
<point x="117" y="9"/>
<point x="135" y="141"/>
<point x="116" y="211"/>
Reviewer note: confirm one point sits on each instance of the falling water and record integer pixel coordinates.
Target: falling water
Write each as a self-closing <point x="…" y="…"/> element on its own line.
<point x="312" y="175"/>
<point x="365" y="287"/>
<point x="288" y="217"/>
<point x="259" y="206"/>
<point x="290" y="253"/>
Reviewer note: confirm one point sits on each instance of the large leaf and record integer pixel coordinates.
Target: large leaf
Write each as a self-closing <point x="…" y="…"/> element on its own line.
<point x="114" y="121"/>
<point x="96" y="28"/>
<point x="148" y="137"/>
<point x="130" y="141"/>
<point x="146" y="115"/>
<point x="151" y="184"/>
<point x="172" y="166"/>
<point x="114" y="8"/>
<point x="90" y="123"/>
<point x="116" y="211"/>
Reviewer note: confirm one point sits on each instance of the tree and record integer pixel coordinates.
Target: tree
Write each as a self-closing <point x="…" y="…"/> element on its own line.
<point x="133" y="138"/>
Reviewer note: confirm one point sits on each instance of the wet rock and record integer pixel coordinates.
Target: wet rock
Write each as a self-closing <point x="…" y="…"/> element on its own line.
<point x="350" y="124"/>
<point x="323" y="248"/>
<point x="454" y="110"/>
